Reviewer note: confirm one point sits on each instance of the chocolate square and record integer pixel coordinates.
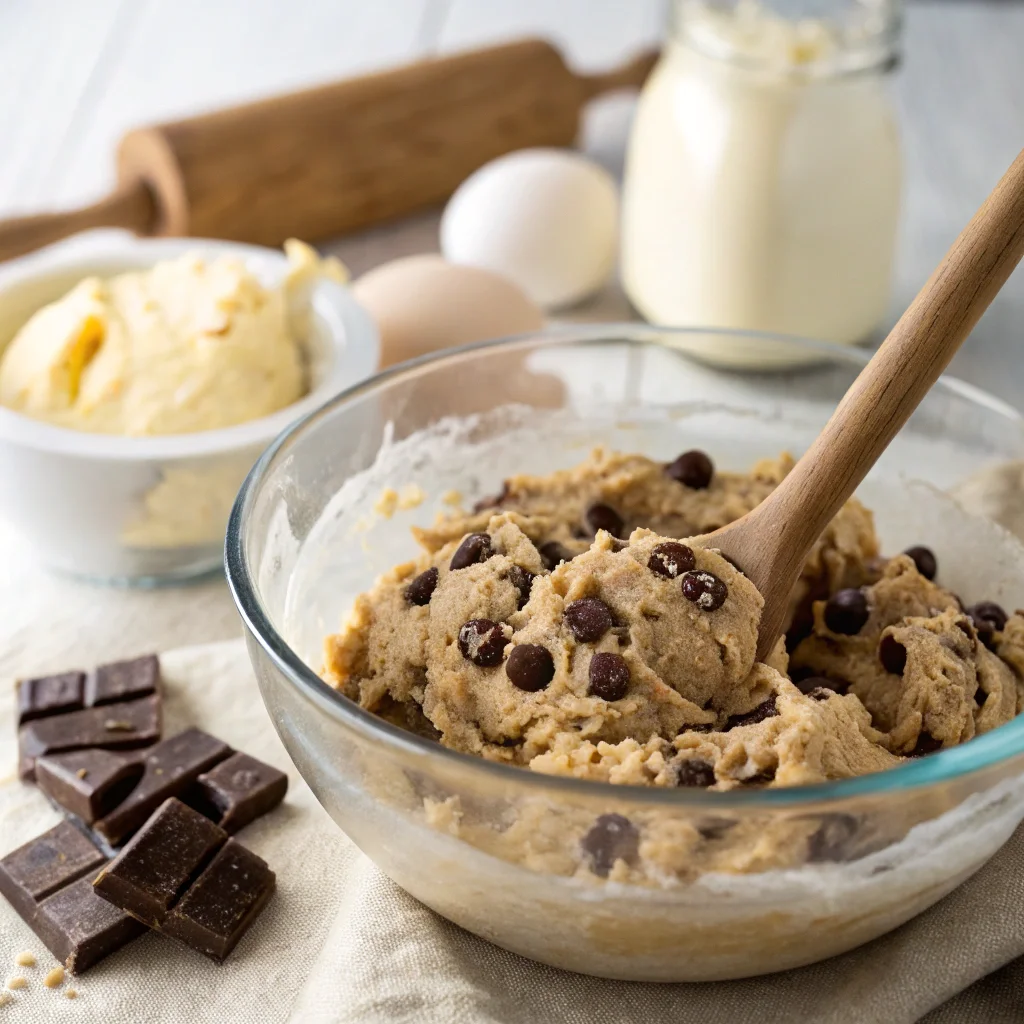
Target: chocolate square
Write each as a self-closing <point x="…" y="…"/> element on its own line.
<point x="51" y="861"/>
<point x="79" y="928"/>
<point x="160" y="860"/>
<point x="50" y="695"/>
<point x="122" y="680"/>
<point x="239" y="790"/>
<point x="222" y="903"/>
<point x="88" y="783"/>
<point x="124" y="726"/>
<point x="170" y="769"/>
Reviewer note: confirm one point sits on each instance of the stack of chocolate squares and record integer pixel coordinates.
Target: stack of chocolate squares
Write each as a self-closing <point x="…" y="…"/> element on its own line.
<point x="146" y="843"/>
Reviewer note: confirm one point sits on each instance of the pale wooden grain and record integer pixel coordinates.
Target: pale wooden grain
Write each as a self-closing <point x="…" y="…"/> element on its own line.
<point x="771" y="543"/>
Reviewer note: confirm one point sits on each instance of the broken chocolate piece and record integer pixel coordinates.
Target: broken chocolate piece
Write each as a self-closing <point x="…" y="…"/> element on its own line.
<point x="79" y="928"/>
<point x="239" y="790"/>
<point x="122" y="680"/>
<point x="150" y="873"/>
<point x="48" y="881"/>
<point x="88" y="783"/>
<point x="218" y="908"/>
<point x="50" y="695"/>
<point x="39" y="868"/>
<point x="170" y="769"/>
<point x="123" y="726"/>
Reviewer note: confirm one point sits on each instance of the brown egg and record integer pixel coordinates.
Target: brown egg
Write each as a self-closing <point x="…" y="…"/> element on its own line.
<point x="424" y="303"/>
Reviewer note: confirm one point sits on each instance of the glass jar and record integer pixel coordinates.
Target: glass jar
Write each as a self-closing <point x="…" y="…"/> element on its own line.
<point x="763" y="174"/>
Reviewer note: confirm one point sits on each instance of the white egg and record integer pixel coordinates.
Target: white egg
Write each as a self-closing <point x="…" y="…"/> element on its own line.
<point x="423" y="303"/>
<point x="546" y="219"/>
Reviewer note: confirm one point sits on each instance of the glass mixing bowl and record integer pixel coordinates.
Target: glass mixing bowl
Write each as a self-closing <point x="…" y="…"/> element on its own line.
<point x="495" y="848"/>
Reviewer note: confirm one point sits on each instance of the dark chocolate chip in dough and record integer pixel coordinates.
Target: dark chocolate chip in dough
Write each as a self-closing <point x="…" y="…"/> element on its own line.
<point x="493" y="500"/>
<point x="604" y="517"/>
<point x="692" y="469"/>
<point x="609" y="676"/>
<point x="705" y="589"/>
<point x="530" y="667"/>
<point x="551" y="553"/>
<point x="924" y="559"/>
<point x="926" y="744"/>
<point x="763" y="777"/>
<point x="671" y="560"/>
<point x="476" y="547"/>
<point x="989" y="618"/>
<point x="846" y="612"/>
<point x="832" y="840"/>
<point x="892" y="654"/>
<point x="715" y="828"/>
<point x="612" y="837"/>
<point x="522" y="581"/>
<point x="420" y="591"/>
<point x="482" y="642"/>
<point x="695" y="772"/>
<point x="818" y="687"/>
<point x="763" y="711"/>
<point x="588" y="619"/>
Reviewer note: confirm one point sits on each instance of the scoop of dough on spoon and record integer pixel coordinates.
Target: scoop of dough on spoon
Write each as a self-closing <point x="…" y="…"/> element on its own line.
<point x="771" y="543"/>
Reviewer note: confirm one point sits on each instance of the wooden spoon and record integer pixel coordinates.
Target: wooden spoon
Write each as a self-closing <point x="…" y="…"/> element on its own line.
<point x="771" y="543"/>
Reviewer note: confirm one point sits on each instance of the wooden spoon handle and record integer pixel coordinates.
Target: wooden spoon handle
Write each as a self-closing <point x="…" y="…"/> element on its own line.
<point x="130" y="207"/>
<point x="907" y="364"/>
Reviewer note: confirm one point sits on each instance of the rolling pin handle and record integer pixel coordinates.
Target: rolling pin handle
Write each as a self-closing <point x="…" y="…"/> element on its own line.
<point x="130" y="206"/>
<point x="630" y="75"/>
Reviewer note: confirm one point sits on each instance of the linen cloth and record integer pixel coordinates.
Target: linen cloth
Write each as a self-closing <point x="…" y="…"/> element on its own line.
<point x="339" y="943"/>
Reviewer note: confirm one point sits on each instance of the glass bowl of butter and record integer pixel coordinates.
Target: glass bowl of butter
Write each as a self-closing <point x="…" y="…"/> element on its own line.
<point x="482" y="627"/>
<point x="139" y="381"/>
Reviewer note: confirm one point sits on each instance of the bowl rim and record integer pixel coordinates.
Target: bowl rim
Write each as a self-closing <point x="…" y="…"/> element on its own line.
<point x="955" y="763"/>
<point x="354" y="345"/>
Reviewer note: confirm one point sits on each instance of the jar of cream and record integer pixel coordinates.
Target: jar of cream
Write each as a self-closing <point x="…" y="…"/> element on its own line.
<point x="763" y="174"/>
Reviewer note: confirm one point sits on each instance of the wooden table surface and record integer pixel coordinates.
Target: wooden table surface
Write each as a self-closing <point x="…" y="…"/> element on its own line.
<point x="74" y="76"/>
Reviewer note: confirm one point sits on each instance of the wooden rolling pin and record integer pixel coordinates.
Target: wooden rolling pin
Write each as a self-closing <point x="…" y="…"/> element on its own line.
<point x="324" y="161"/>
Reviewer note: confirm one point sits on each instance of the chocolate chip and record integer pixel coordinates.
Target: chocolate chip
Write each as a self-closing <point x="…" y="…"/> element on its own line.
<point x="833" y="839"/>
<point x="695" y="772"/>
<point x="609" y="676"/>
<point x="476" y="547"/>
<point x="422" y="587"/>
<point x="988" y="617"/>
<point x="588" y="619"/>
<point x="671" y="560"/>
<point x="530" y="667"/>
<point x="552" y="553"/>
<point x="604" y="517"/>
<point x="966" y="627"/>
<point x="892" y="654"/>
<point x="762" y="777"/>
<point x="705" y="589"/>
<point x="612" y="837"/>
<point x="522" y="581"/>
<point x="846" y="611"/>
<point x="715" y="828"/>
<point x="924" y="559"/>
<point x="493" y="500"/>
<point x="926" y="744"/>
<point x="818" y="687"/>
<point x="482" y="642"/>
<point x="763" y="711"/>
<point x="692" y="469"/>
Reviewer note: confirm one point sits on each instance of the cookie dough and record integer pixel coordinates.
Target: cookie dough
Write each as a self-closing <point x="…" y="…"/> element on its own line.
<point x="190" y="344"/>
<point x="573" y="626"/>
